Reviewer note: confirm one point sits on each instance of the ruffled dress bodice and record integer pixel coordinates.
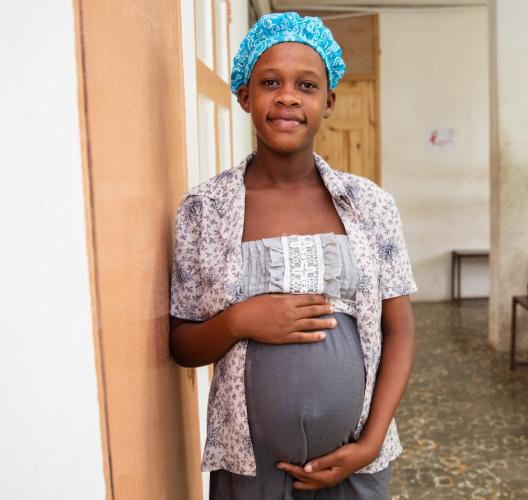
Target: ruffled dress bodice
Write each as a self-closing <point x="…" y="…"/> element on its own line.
<point x="319" y="263"/>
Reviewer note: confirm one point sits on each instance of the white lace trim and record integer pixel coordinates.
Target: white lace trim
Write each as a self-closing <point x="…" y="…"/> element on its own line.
<point x="345" y="306"/>
<point x="286" y="254"/>
<point x="303" y="264"/>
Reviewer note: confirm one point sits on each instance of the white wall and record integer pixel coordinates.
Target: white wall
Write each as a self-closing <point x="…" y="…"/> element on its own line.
<point x="434" y="74"/>
<point x="50" y="442"/>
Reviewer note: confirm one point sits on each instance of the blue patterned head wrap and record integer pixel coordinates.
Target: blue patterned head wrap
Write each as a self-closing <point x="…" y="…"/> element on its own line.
<point x="272" y="29"/>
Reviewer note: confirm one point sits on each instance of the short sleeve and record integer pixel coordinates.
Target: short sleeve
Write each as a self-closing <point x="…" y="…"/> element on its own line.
<point x="396" y="276"/>
<point x="186" y="283"/>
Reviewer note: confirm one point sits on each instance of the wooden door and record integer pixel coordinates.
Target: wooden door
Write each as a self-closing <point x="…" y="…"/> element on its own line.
<point x="347" y="140"/>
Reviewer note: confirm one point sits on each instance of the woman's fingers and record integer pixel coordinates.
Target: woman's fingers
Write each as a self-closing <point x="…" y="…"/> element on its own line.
<point x="330" y="460"/>
<point x="313" y="311"/>
<point x="308" y="299"/>
<point x="299" y="318"/>
<point x="309" y="481"/>
<point x="308" y="324"/>
<point x="299" y="485"/>
<point x="304" y="337"/>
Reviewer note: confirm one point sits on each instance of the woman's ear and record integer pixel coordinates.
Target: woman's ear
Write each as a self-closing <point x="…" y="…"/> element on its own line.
<point x="330" y="103"/>
<point x="243" y="98"/>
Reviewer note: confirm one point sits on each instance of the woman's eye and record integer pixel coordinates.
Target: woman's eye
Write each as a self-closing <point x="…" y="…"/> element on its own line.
<point x="308" y="85"/>
<point x="270" y="82"/>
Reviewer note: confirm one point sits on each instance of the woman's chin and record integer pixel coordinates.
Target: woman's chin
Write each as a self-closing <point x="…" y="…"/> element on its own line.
<point x="288" y="145"/>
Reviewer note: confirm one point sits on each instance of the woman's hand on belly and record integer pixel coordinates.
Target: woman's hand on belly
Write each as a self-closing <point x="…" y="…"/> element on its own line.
<point x="332" y="468"/>
<point x="281" y="318"/>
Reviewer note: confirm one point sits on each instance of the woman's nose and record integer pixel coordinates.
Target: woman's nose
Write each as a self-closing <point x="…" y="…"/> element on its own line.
<point x="287" y="96"/>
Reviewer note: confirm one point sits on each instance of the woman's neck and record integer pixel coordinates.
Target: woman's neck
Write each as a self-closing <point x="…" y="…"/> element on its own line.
<point x="271" y="169"/>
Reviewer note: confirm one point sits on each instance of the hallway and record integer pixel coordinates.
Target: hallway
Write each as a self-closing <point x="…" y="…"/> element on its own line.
<point x="464" y="419"/>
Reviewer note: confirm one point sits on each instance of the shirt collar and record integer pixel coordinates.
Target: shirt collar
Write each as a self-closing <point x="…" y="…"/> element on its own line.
<point x="335" y="182"/>
<point x="223" y="187"/>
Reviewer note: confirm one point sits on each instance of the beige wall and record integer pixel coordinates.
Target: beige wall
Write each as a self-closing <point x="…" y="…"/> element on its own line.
<point x="434" y="73"/>
<point x="132" y="124"/>
<point x="509" y="72"/>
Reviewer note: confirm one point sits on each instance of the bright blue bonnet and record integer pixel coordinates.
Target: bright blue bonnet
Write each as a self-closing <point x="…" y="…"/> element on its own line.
<point x="272" y="29"/>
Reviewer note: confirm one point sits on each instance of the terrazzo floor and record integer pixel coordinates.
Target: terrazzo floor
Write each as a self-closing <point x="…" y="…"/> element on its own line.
<point x="463" y="421"/>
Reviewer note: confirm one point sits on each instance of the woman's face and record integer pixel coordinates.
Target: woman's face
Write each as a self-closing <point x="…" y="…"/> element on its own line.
<point x="287" y="96"/>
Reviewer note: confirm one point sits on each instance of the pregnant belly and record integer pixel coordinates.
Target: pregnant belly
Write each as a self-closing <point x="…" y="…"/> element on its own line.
<point x="304" y="400"/>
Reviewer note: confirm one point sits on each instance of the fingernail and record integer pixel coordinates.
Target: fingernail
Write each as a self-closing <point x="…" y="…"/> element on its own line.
<point x="333" y="322"/>
<point x="280" y="466"/>
<point x="308" y="467"/>
<point x="322" y="335"/>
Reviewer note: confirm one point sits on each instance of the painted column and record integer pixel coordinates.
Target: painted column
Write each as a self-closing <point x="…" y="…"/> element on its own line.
<point x="509" y="166"/>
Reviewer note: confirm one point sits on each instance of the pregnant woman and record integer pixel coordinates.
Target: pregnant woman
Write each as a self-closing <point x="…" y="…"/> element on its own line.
<point x="294" y="279"/>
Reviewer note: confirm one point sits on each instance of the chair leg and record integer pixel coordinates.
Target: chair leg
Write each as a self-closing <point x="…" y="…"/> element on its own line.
<point x="452" y="276"/>
<point x="513" y="333"/>
<point x="459" y="290"/>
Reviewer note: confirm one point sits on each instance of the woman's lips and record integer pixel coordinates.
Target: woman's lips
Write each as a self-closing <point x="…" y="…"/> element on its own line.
<point x="284" y="123"/>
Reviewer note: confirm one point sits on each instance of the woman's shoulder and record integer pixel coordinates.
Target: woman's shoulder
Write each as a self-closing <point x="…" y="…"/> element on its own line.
<point x="218" y="186"/>
<point x="206" y="200"/>
<point x="223" y="185"/>
<point x="366" y="195"/>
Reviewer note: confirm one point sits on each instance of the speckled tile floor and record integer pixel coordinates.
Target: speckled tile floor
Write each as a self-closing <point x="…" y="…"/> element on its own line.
<point x="464" y="419"/>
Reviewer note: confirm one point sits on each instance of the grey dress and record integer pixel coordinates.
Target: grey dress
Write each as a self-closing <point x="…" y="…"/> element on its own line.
<point x="303" y="400"/>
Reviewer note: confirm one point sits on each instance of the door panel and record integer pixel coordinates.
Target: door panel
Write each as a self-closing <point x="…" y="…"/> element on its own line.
<point x="347" y="140"/>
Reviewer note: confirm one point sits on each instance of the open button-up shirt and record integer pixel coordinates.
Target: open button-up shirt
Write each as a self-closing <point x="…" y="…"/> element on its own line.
<point x="206" y="279"/>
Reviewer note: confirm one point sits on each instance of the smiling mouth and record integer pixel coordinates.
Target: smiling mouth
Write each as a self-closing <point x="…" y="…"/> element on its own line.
<point x="285" y="123"/>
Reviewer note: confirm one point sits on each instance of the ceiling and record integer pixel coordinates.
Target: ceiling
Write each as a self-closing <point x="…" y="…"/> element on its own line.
<point x="264" y="6"/>
<point x="373" y="3"/>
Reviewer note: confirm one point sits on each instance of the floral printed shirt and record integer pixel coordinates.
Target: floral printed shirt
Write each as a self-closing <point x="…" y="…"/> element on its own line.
<point x="206" y="279"/>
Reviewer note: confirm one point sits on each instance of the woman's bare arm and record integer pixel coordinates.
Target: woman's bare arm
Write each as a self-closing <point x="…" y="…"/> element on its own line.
<point x="200" y="343"/>
<point x="268" y="318"/>
<point x="397" y="325"/>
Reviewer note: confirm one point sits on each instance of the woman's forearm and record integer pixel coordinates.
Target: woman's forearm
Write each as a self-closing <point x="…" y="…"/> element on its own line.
<point x="267" y="318"/>
<point x="394" y="370"/>
<point x="198" y="344"/>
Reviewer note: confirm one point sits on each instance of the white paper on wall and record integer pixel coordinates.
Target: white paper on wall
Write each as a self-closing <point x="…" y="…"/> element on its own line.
<point x="441" y="138"/>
